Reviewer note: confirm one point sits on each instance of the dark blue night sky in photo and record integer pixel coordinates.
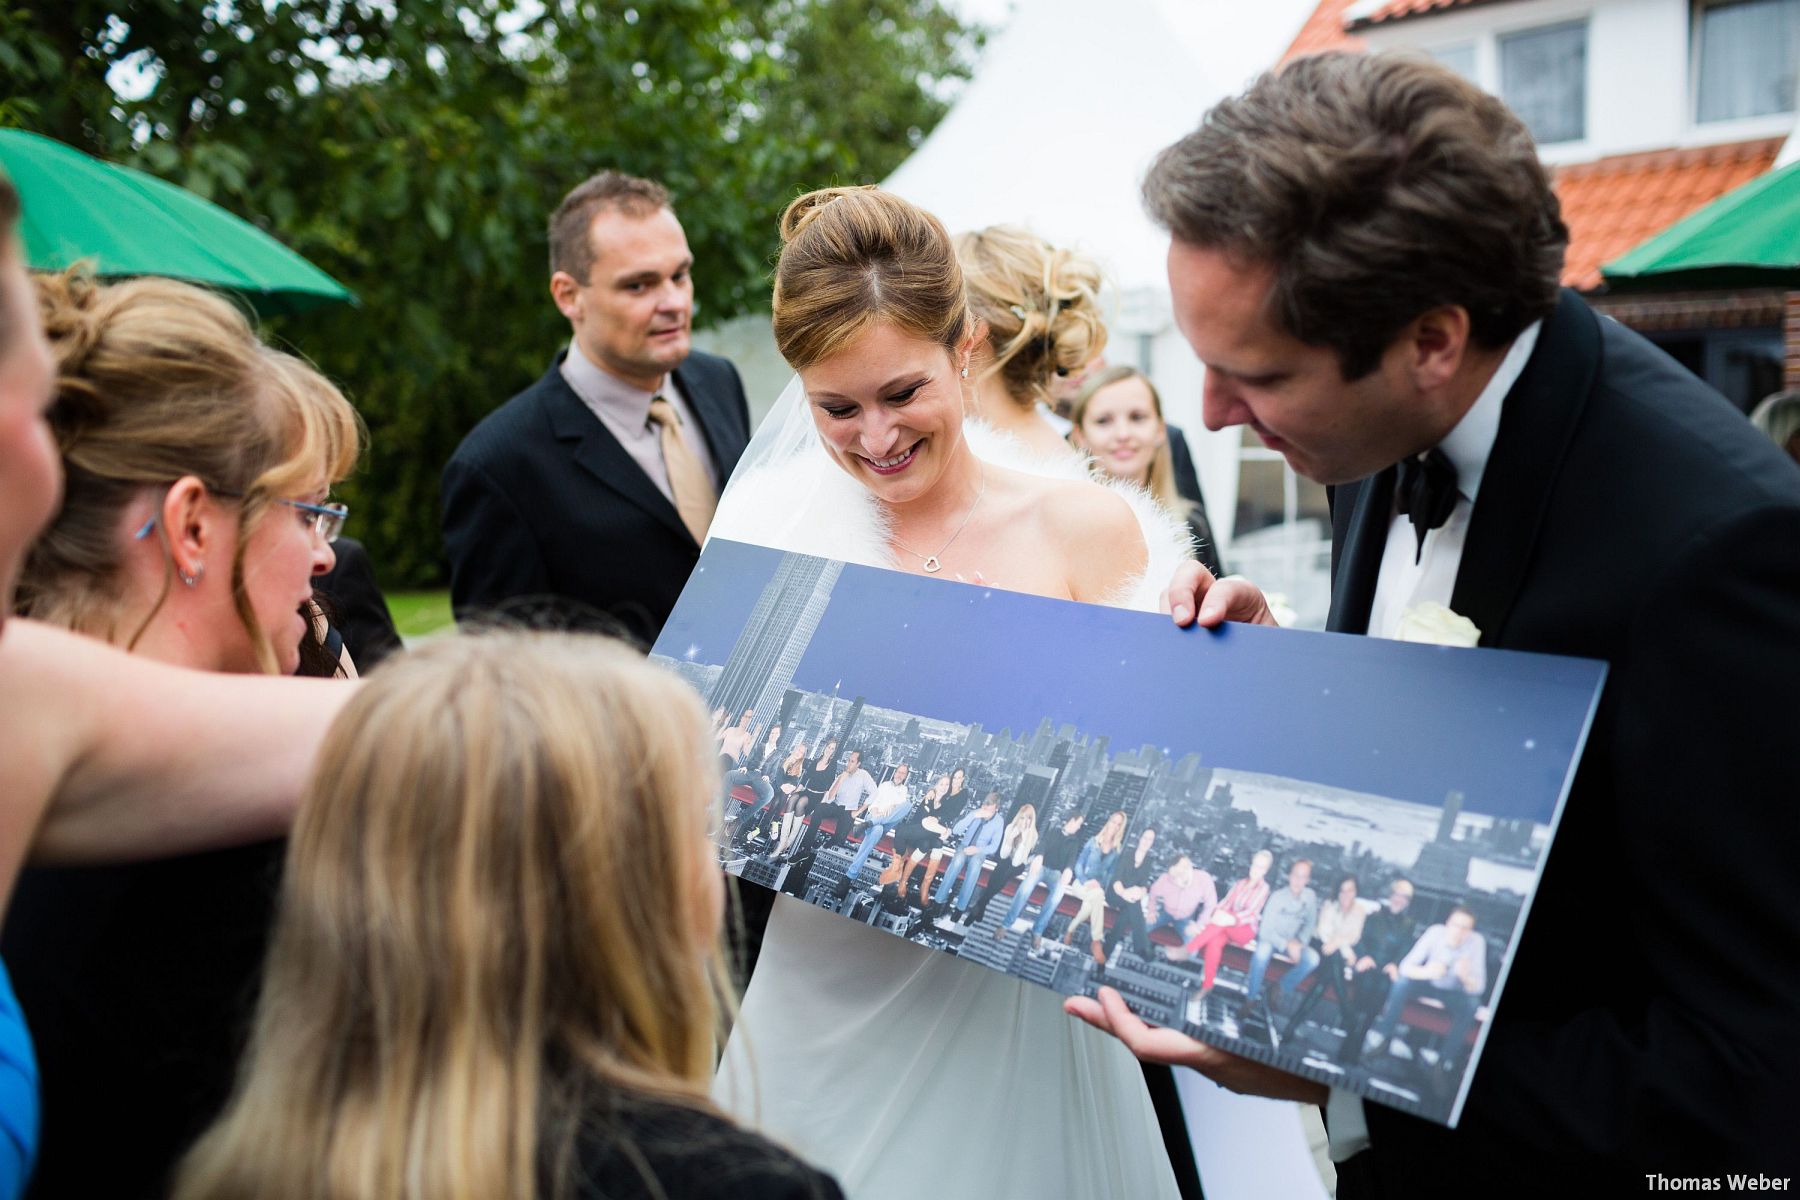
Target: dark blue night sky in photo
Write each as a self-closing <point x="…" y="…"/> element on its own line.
<point x="1405" y="721"/>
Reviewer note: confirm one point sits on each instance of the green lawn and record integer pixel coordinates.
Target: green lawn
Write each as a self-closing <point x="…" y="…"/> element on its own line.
<point x="420" y="614"/>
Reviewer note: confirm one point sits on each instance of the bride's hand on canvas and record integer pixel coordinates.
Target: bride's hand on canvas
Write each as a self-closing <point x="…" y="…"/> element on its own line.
<point x="1151" y="1044"/>
<point x="1193" y="595"/>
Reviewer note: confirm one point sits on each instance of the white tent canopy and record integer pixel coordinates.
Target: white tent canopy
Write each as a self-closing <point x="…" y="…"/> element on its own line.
<point x="1070" y="105"/>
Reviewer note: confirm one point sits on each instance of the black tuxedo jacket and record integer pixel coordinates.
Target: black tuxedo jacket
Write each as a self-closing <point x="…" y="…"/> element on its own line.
<point x="1651" y="1021"/>
<point x="1181" y="459"/>
<point x="541" y="502"/>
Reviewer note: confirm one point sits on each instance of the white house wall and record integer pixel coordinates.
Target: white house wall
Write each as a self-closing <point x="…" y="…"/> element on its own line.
<point x="1640" y="83"/>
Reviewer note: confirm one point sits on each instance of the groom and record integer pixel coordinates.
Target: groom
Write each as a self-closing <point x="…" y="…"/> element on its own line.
<point x="1365" y="256"/>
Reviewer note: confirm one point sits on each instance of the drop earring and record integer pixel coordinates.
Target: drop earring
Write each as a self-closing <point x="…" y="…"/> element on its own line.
<point x="193" y="579"/>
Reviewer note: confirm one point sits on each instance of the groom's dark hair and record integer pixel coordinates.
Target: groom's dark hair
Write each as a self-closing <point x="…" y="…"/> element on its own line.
<point x="1377" y="187"/>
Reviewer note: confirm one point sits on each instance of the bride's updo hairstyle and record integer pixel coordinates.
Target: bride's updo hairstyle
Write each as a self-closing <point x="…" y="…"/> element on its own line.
<point x="1041" y="305"/>
<point x="853" y="256"/>
<point x="157" y="380"/>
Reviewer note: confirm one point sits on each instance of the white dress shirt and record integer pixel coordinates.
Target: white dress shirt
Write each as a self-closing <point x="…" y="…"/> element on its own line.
<point x="625" y="411"/>
<point x="855" y="787"/>
<point x="889" y="799"/>
<point x="1403" y="583"/>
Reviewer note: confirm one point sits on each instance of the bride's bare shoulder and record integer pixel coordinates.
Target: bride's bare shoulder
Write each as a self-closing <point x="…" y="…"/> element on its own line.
<point x="1089" y="509"/>
<point x="1093" y="528"/>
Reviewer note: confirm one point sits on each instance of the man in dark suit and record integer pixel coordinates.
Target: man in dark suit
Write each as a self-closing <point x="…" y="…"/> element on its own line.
<point x="1365" y="257"/>
<point x="593" y="487"/>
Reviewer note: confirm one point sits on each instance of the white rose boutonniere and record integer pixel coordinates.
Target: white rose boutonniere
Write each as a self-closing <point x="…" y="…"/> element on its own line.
<point x="1436" y="625"/>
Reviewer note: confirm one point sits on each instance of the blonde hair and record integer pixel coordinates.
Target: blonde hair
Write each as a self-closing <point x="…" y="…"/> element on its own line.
<point x="1041" y="305"/>
<point x="157" y="380"/>
<point x="488" y="932"/>
<point x="1112" y="834"/>
<point x="1021" y="832"/>
<point x="1161" y="482"/>
<point x="796" y="760"/>
<point x="851" y="257"/>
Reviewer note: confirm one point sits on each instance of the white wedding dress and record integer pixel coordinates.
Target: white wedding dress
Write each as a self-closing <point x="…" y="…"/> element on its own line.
<point x="907" y="1073"/>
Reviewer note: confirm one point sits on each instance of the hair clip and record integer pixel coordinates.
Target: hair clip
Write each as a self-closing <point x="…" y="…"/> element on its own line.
<point x="1018" y="312"/>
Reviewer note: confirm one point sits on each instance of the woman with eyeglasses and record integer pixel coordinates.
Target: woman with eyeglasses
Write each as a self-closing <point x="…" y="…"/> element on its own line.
<point x="197" y="460"/>
<point x="194" y="519"/>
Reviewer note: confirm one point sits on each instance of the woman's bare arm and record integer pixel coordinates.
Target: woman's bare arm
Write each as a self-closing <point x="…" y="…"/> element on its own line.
<point x="130" y="758"/>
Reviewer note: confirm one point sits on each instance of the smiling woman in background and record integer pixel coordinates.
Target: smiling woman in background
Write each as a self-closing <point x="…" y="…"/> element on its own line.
<point x="1119" y="420"/>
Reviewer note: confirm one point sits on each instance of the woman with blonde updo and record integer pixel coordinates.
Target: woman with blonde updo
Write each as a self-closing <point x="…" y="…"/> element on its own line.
<point x="1037" y="312"/>
<point x="868" y="1048"/>
<point x="496" y="969"/>
<point x="192" y="524"/>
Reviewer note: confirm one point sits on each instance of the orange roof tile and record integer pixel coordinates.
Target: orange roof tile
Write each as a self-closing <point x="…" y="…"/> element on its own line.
<point x="1615" y="203"/>
<point x="1395" y="10"/>
<point x="1324" y="30"/>
<point x="1329" y="26"/>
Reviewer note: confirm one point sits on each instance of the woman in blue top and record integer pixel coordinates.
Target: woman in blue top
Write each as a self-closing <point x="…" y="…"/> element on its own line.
<point x="18" y="1094"/>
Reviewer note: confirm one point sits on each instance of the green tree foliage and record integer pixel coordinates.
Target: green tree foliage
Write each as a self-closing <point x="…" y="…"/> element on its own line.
<point x="414" y="149"/>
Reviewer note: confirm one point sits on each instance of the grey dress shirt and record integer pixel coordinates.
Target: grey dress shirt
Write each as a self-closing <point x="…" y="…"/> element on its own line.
<point x="625" y="411"/>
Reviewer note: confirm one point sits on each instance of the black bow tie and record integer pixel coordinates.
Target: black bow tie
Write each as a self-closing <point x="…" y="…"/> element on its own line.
<point x="1426" y="493"/>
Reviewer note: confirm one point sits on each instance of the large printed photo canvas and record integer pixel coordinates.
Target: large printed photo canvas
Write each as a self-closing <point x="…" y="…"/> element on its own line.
<point x="1315" y="850"/>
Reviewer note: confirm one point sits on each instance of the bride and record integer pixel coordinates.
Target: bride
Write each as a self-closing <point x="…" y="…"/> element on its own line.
<point x="882" y="1060"/>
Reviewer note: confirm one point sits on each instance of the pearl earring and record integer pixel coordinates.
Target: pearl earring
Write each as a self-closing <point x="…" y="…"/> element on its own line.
<point x="965" y="374"/>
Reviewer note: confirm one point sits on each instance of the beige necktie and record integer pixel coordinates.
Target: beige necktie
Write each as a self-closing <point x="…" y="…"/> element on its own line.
<point x="694" y="498"/>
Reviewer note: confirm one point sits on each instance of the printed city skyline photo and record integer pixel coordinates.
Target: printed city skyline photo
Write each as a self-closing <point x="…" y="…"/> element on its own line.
<point x="1314" y="850"/>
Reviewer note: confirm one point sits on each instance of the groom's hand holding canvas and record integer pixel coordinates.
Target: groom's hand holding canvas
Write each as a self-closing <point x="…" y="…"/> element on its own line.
<point x="1365" y="257"/>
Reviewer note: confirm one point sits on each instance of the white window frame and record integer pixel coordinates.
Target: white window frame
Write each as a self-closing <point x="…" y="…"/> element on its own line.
<point x="1473" y="45"/>
<point x="1585" y="23"/>
<point x="1731" y="129"/>
<point x="1479" y="27"/>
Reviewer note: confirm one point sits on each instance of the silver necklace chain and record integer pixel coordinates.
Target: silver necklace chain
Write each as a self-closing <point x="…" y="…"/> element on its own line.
<point x="933" y="562"/>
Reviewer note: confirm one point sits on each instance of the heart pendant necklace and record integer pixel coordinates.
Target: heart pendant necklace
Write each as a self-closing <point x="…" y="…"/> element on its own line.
<point x="933" y="563"/>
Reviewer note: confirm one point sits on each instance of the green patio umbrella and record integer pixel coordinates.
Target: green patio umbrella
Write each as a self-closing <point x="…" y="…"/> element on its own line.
<point x="129" y="223"/>
<point x="1749" y="237"/>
